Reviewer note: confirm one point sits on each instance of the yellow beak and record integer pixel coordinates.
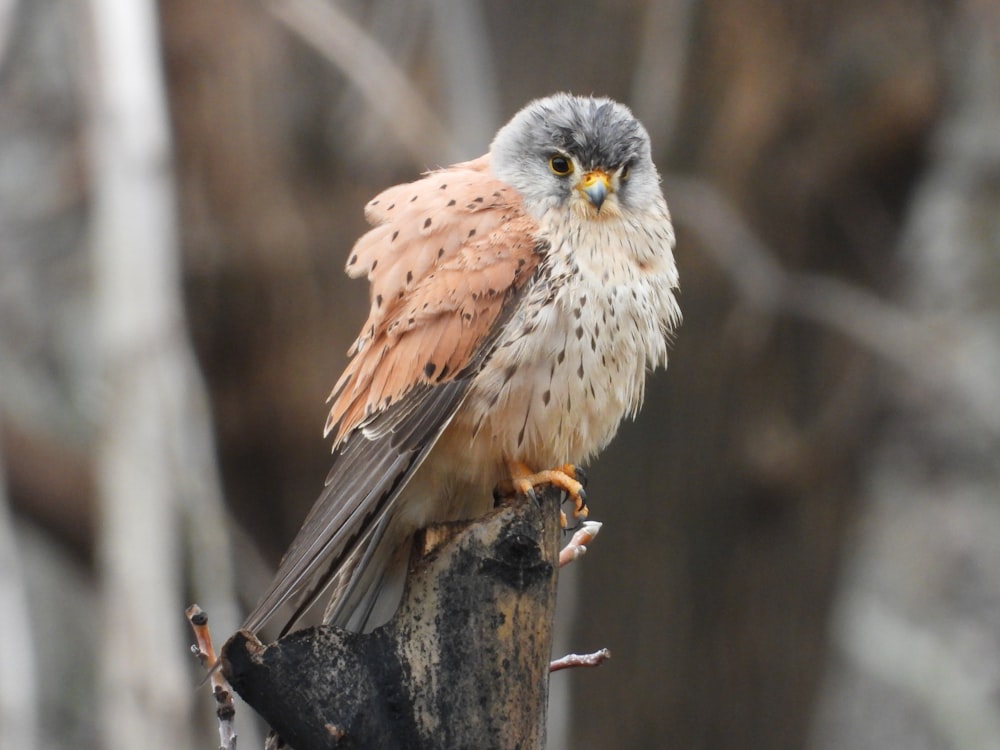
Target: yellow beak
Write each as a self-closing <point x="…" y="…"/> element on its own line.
<point x="596" y="185"/>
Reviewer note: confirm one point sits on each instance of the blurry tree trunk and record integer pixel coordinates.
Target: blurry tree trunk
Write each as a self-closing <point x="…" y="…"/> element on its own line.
<point x="915" y="640"/>
<point x="145" y="696"/>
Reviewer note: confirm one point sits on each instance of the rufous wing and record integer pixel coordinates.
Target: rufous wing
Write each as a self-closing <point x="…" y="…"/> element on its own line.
<point x="448" y="260"/>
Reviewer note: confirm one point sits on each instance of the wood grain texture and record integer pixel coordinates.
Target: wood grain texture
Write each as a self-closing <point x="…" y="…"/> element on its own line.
<point x="464" y="663"/>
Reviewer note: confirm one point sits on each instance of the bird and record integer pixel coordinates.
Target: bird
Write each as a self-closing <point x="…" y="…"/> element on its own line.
<point x="517" y="303"/>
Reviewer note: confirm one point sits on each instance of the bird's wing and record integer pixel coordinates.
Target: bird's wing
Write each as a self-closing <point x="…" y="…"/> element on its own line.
<point x="448" y="260"/>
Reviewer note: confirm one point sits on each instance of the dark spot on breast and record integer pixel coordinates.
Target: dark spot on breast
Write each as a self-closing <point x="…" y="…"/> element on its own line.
<point x="579" y="332"/>
<point x="451" y="202"/>
<point x="413" y="198"/>
<point x="479" y="199"/>
<point x="378" y="300"/>
<point x="593" y="344"/>
<point x="546" y="396"/>
<point x="579" y="371"/>
<point x="374" y="263"/>
<point x="429" y="369"/>
<point x="353" y="260"/>
<point x="561" y="356"/>
<point x="390" y="207"/>
<point x="440" y="251"/>
<point x="577" y="312"/>
<point x="472" y="232"/>
<point x="509" y="372"/>
<point x="427" y="222"/>
<point x="394" y="236"/>
<point x="444" y="186"/>
<point x="373" y="203"/>
<point x="409" y="276"/>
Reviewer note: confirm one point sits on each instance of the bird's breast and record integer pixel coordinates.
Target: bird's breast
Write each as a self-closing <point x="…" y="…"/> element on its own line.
<point x="572" y="363"/>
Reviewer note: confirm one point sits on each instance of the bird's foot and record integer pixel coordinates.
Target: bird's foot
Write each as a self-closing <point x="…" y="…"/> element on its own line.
<point x="567" y="477"/>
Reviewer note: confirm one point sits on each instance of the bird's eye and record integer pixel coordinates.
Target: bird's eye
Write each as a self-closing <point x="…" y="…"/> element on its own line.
<point x="560" y="165"/>
<point x="623" y="175"/>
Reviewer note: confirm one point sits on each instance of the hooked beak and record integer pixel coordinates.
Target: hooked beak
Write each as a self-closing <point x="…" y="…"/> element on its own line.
<point x="595" y="185"/>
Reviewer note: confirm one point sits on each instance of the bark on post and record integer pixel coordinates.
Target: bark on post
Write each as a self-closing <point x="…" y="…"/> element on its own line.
<point x="464" y="663"/>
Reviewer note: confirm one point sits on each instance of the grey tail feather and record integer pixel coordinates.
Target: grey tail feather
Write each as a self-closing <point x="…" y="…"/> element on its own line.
<point x="371" y="583"/>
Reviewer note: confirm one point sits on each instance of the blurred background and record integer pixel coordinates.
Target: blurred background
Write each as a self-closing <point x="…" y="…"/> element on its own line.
<point x="802" y="529"/>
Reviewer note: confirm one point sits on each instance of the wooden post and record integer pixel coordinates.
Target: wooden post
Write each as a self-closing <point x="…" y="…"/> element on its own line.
<point x="463" y="664"/>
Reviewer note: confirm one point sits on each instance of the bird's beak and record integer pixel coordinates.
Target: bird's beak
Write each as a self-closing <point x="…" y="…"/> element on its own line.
<point x="596" y="185"/>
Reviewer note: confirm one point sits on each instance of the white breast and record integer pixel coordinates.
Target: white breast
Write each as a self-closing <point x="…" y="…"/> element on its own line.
<point x="573" y="363"/>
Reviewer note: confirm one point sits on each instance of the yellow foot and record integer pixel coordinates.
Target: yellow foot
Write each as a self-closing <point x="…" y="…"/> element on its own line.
<point x="567" y="477"/>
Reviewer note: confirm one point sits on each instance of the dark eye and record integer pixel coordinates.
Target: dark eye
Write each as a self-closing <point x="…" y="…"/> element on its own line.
<point x="623" y="175"/>
<point x="560" y="165"/>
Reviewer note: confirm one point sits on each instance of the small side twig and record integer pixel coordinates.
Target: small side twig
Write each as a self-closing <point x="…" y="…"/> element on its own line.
<point x="577" y="546"/>
<point x="205" y="652"/>
<point x="595" y="659"/>
<point x="574" y="550"/>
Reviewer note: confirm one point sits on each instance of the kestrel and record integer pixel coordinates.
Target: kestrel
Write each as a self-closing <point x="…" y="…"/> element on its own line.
<point x="517" y="302"/>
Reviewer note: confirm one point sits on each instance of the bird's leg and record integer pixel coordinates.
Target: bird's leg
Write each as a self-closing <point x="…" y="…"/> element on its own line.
<point x="567" y="477"/>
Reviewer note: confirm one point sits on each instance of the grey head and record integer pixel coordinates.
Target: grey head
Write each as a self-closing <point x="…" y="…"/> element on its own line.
<point x="565" y="150"/>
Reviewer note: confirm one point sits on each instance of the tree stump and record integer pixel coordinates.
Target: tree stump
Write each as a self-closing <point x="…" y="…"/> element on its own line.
<point x="464" y="663"/>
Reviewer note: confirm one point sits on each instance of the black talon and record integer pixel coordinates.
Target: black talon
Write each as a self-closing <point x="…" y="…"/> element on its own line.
<point x="580" y="474"/>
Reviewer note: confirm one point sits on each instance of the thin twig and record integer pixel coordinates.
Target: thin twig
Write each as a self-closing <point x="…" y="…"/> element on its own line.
<point x="145" y="696"/>
<point x="577" y="546"/>
<point x="342" y="41"/>
<point x="569" y="661"/>
<point x="205" y="651"/>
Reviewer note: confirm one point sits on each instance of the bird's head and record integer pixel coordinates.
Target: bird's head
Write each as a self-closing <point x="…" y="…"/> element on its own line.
<point x="587" y="154"/>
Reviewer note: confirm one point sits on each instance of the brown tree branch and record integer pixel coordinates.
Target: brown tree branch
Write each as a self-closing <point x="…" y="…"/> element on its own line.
<point x="205" y="651"/>
<point x="569" y="661"/>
